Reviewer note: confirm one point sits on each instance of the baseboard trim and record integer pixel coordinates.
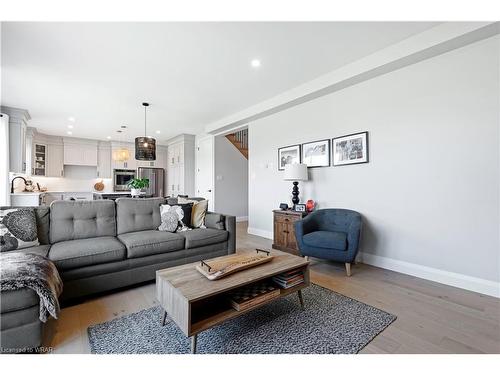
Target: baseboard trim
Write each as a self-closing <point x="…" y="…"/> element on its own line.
<point x="241" y="218"/>
<point x="474" y="284"/>
<point x="260" y="232"/>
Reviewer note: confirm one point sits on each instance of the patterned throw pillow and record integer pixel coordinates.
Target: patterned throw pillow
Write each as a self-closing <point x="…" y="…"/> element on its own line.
<point x="17" y="229"/>
<point x="169" y="222"/>
<point x="178" y="213"/>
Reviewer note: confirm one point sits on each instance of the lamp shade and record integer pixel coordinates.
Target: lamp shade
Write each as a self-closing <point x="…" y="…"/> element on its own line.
<point x="145" y="148"/>
<point x="121" y="154"/>
<point x="295" y="172"/>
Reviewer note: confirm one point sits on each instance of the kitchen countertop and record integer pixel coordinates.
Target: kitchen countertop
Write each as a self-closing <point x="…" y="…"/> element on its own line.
<point x="28" y="193"/>
<point x="67" y="192"/>
<point x="111" y="192"/>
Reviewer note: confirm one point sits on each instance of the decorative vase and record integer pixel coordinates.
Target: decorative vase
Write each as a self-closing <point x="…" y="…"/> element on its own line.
<point x="135" y="192"/>
<point x="310" y="205"/>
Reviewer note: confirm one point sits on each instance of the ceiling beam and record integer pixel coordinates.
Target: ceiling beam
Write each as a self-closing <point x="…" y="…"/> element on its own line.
<point x="433" y="42"/>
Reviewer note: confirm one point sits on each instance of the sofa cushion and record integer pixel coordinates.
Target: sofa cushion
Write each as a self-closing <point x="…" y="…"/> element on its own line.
<point x="42" y="250"/>
<point x="149" y="242"/>
<point x="73" y="220"/>
<point x="86" y="252"/>
<point x="13" y="300"/>
<point x="138" y="214"/>
<point x="326" y="239"/>
<point x="203" y="237"/>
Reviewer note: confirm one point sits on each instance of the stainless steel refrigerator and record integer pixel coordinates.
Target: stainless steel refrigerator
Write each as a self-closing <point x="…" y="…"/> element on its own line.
<point x="156" y="178"/>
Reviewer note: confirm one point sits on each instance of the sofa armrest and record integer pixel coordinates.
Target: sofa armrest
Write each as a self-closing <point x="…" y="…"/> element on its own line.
<point x="226" y="222"/>
<point x="302" y="227"/>
<point x="231" y="228"/>
<point x="353" y="237"/>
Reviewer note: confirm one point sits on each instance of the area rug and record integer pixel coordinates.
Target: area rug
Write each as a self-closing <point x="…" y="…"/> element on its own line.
<point x="330" y="324"/>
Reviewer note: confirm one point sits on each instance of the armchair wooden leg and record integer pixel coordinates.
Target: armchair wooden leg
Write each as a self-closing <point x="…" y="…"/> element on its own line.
<point x="348" y="269"/>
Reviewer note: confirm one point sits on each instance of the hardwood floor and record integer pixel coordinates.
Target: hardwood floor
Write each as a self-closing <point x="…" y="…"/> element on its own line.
<point x="432" y="318"/>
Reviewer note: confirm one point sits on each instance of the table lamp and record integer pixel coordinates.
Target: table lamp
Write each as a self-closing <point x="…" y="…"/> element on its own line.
<point x="295" y="173"/>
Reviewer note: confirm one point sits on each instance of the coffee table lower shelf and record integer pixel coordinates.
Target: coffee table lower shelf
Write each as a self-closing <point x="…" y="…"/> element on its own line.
<point x="195" y="311"/>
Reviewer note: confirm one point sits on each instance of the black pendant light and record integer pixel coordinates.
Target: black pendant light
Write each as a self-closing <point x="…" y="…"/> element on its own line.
<point x="145" y="147"/>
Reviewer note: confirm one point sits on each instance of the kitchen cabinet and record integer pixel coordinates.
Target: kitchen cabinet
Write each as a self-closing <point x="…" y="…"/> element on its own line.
<point x="131" y="163"/>
<point x="161" y="157"/>
<point x="39" y="163"/>
<point x="80" y="152"/>
<point x="180" y="165"/>
<point x="78" y="196"/>
<point x="284" y="230"/>
<point x="55" y="160"/>
<point x="18" y="120"/>
<point x="26" y="199"/>
<point x="104" y="161"/>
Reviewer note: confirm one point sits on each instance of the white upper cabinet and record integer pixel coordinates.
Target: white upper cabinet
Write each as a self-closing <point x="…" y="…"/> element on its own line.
<point x="18" y="119"/>
<point x="104" y="161"/>
<point x="131" y="163"/>
<point x="180" y="165"/>
<point x="80" y="152"/>
<point x="55" y="160"/>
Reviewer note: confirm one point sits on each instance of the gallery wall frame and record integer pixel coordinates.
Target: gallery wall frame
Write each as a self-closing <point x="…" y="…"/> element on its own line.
<point x="288" y="155"/>
<point x="316" y="153"/>
<point x="350" y="149"/>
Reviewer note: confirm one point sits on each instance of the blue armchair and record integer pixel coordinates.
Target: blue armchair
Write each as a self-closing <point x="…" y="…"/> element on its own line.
<point x="331" y="234"/>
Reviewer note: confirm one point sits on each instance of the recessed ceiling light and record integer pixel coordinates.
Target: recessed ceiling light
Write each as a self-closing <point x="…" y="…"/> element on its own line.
<point x="69" y="133"/>
<point x="71" y="119"/>
<point x="158" y="132"/>
<point x="70" y="126"/>
<point x="108" y="137"/>
<point x="255" y="63"/>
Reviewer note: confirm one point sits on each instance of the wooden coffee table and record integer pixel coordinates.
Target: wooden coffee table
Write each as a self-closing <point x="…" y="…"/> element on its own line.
<point x="196" y="304"/>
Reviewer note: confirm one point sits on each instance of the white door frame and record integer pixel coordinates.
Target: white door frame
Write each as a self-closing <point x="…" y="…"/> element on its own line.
<point x="206" y="137"/>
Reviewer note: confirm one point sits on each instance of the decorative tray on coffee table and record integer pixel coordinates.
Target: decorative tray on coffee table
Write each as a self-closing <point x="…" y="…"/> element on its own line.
<point x="217" y="268"/>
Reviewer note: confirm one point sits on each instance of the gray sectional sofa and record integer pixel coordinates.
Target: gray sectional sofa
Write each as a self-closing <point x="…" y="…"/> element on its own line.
<point x="103" y="245"/>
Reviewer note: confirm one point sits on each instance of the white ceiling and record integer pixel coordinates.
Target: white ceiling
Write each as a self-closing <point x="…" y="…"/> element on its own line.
<point x="191" y="73"/>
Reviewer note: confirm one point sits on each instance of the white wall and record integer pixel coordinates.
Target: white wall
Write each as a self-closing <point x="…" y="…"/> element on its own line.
<point x="231" y="179"/>
<point x="430" y="194"/>
<point x="4" y="161"/>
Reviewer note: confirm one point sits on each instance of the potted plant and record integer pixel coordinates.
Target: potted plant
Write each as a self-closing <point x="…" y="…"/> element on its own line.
<point x="137" y="184"/>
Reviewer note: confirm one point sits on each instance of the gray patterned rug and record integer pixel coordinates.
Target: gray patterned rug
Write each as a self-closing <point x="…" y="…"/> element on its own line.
<point x="331" y="324"/>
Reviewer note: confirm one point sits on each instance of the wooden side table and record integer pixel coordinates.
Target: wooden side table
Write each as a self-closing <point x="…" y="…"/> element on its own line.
<point x="284" y="231"/>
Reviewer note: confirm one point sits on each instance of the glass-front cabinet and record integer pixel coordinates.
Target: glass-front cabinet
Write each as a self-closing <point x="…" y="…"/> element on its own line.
<point x="39" y="159"/>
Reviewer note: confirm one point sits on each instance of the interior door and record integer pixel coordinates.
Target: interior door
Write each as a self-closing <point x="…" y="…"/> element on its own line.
<point x="205" y="170"/>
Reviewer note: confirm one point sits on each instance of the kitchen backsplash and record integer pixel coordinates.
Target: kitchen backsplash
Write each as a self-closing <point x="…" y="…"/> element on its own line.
<point x="63" y="183"/>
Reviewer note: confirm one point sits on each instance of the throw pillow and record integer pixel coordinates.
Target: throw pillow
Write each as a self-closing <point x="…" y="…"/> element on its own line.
<point x="199" y="213"/>
<point x="187" y="209"/>
<point x="18" y="229"/>
<point x="169" y="222"/>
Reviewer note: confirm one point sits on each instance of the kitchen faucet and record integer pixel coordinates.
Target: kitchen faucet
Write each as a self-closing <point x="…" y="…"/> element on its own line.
<point x="12" y="183"/>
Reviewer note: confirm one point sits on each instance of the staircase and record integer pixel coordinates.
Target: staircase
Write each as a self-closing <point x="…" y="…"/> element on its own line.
<point x="240" y="141"/>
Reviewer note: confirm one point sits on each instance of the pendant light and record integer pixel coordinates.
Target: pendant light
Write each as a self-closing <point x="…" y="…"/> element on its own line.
<point x="145" y="147"/>
<point x="121" y="153"/>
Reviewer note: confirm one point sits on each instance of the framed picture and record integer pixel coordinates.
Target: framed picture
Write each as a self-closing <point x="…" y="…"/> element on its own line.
<point x="350" y="149"/>
<point x="316" y="154"/>
<point x="300" y="207"/>
<point x="288" y="155"/>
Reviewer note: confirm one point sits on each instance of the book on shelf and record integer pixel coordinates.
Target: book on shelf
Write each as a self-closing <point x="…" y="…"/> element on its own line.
<point x="252" y="295"/>
<point x="289" y="279"/>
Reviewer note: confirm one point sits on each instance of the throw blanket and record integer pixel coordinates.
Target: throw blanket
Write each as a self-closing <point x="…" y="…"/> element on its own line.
<point x="21" y="270"/>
